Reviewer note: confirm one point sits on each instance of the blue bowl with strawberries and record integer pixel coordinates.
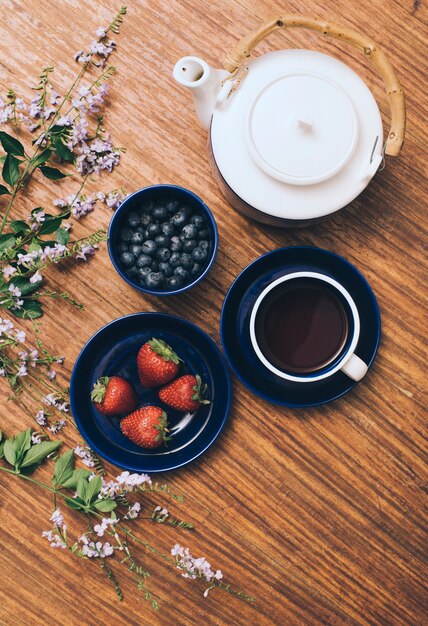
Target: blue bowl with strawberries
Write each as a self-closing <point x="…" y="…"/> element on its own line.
<point x="163" y="240"/>
<point x="150" y="392"/>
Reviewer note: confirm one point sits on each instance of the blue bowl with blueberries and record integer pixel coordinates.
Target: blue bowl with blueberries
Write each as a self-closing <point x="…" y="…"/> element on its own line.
<point x="163" y="240"/>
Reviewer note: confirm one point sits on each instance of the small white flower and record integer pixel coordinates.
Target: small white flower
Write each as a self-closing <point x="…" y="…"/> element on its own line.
<point x="57" y="517"/>
<point x="15" y="291"/>
<point x="8" y="271"/>
<point x="2" y="371"/>
<point x="36" y="438"/>
<point x="20" y="336"/>
<point x="51" y="374"/>
<point x="133" y="511"/>
<point x="22" y="371"/>
<point x="50" y="399"/>
<point x="101" y="32"/>
<point x="36" y="278"/>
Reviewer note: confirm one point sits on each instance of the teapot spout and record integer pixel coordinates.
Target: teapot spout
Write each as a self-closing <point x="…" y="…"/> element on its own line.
<point x="204" y="83"/>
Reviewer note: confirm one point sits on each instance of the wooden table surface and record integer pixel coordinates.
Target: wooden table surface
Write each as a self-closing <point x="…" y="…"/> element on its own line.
<point x="319" y="513"/>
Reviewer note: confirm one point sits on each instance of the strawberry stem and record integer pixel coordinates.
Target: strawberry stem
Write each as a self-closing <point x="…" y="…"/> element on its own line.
<point x="164" y="350"/>
<point x="99" y="390"/>
<point x="200" y="390"/>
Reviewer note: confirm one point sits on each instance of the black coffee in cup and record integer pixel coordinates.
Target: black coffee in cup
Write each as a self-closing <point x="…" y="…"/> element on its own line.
<point x="302" y="325"/>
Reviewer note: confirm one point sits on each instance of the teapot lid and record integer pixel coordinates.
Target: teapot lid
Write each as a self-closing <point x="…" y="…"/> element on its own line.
<point x="300" y="137"/>
<point x="301" y="128"/>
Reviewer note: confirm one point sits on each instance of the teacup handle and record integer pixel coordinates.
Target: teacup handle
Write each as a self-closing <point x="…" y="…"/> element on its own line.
<point x="355" y="367"/>
<point x="242" y="50"/>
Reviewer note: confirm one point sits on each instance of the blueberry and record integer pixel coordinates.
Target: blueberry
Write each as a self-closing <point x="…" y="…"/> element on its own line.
<point x="126" y="234"/>
<point x="181" y="273"/>
<point x="135" y="250"/>
<point x="189" y="244"/>
<point x="153" y="230"/>
<point x="127" y="259"/>
<point x="145" y="219"/>
<point x="160" y="213"/>
<point x="166" y="268"/>
<point x="203" y="233"/>
<point x="123" y="247"/>
<point x="161" y="241"/>
<point x="163" y="254"/>
<point x="155" y="265"/>
<point x="186" y="260"/>
<point x="179" y="219"/>
<point x="199" y="255"/>
<point x="137" y="238"/>
<point x="198" y="221"/>
<point x="149" y="247"/>
<point x="144" y="260"/>
<point x="155" y="280"/>
<point x="172" y="206"/>
<point x="204" y="244"/>
<point x="133" y="219"/>
<point x="175" y="244"/>
<point x="140" y="229"/>
<point x="143" y="272"/>
<point x="167" y="229"/>
<point x="173" y="282"/>
<point x="189" y="232"/>
<point x="175" y="259"/>
<point x="196" y="269"/>
<point x="132" y="272"/>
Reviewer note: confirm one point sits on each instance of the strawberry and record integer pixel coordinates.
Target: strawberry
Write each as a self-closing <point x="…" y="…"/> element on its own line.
<point x="112" y="395"/>
<point x="157" y="363"/>
<point x="147" y="427"/>
<point x="184" y="394"/>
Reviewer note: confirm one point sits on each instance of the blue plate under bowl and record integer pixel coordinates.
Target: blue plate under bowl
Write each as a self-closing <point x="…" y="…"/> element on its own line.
<point x="113" y="351"/>
<point x="235" y="318"/>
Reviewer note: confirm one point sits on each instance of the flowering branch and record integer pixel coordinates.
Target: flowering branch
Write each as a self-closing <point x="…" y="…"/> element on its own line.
<point x="94" y="497"/>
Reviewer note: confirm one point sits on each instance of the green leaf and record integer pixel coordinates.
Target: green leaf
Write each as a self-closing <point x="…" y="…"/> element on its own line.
<point x="82" y="486"/>
<point x="63" y="468"/>
<point x="105" y="506"/>
<point x="43" y="157"/>
<point x="19" y="226"/>
<point x="34" y="246"/>
<point x="71" y="483"/>
<point x="75" y="503"/>
<point x="9" y="451"/>
<point x="50" y="225"/>
<point x="10" y="171"/>
<point x="2" y="449"/>
<point x="6" y="241"/>
<point x="23" y="285"/>
<point x="37" y="453"/>
<point x="52" y="172"/>
<point x="93" y="489"/>
<point x="30" y="310"/>
<point x="61" y="150"/>
<point x="11" y="145"/>
<point x="3" y="158"/>
<point x="22" y="444"/>
<point x="4" y="190"/>
<point x="62" y="236"/>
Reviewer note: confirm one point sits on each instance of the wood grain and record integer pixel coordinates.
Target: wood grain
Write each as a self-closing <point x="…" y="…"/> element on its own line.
<point x="319" y="513"/>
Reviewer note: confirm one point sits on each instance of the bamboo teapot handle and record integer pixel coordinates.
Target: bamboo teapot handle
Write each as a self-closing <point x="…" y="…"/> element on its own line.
<point x="242" y="50"/>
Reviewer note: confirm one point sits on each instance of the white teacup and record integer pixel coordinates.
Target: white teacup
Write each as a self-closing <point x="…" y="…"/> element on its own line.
<point x="347" y="361"/>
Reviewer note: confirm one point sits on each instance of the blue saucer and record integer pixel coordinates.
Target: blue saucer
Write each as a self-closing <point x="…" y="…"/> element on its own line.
<point x="235" y="316"/>
<point x="113" y="351"/>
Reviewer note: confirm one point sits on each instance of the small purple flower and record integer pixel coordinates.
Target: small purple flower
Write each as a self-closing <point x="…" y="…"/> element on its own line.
<point x="41" y="418"/>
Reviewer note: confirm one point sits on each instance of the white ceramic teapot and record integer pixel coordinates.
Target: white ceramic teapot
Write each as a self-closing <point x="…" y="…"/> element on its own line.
<point x="296" y="134"/>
